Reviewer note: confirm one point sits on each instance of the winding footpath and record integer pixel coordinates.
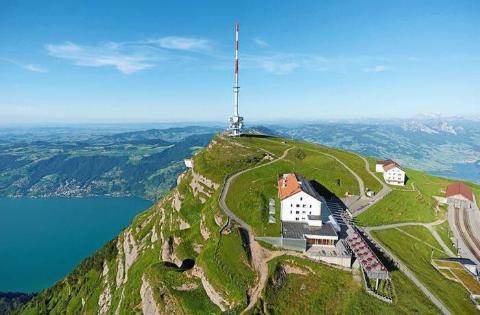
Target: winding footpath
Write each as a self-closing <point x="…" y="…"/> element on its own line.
<point x="378" y="196"/>
<point x="260" y="255"/>
<point x="429" y="226"/>
<point x="403" y="268"/>
<point x="361" y="184"/>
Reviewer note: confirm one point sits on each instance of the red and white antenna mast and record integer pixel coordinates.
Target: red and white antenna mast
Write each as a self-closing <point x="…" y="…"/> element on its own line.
<point x="236" y="121"/>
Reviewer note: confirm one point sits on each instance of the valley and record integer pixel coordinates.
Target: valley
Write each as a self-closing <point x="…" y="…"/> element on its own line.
<point x="59" y="163"/>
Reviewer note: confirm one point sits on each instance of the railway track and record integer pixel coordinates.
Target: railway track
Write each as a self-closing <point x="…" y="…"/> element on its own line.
<point x="475" y="247"/>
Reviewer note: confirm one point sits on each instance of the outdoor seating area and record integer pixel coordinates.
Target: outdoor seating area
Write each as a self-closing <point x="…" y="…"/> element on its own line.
<point x="369" y="262"/>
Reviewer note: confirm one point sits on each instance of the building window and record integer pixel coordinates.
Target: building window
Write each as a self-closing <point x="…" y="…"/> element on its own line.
<point x="310" y="212"/>
<point x="296" y="219"/>
<point x="297" y="212"/>
<point x="304" y="206"/>
<point x="310" y="206"/>
<point x="290" y="211"/>
<point x="291" y="205"/>
<point x="301" y="198"/>
<point x="303" y="212"/>
<point x="303" y="218"/>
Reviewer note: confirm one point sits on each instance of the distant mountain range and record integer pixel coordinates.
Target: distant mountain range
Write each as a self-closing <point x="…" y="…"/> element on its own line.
<point x="91" y="161"/>
<point x="438" y="145"/>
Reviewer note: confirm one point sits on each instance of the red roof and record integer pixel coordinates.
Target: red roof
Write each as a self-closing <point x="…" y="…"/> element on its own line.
<point x="389" y="166"/>
<point x="288" y="185"/>
<point x="459" y="189"/>
<point x="385" y="162"/>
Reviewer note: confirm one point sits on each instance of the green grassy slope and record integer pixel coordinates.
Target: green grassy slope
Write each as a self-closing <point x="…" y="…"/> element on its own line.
<point x="416" y="256"/>
<point x="326" y="290"/>
<point x="250" y="193"/>
<point x="398" y="207"/>
<point x="186" y="222"/>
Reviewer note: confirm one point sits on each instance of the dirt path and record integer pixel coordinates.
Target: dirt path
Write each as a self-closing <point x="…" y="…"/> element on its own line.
<point x="260" y="255"/>
<point x="361" y="184"/>
<point x="385" y="191"/>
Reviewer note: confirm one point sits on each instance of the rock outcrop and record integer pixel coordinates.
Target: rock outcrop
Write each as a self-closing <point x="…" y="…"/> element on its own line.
<point x="149" y="306"/>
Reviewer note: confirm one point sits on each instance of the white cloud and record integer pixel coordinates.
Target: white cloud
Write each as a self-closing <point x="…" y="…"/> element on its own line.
<point x="127" y="57"/>
<point x="34" y="68"/>
<point x="378" y="68"/>
<point x="261" y="42"/>
<point x="181" y="43"/>
<point x="29" y="66"/>
<point x="277" y="67"/>
<point x="124" y="58"/>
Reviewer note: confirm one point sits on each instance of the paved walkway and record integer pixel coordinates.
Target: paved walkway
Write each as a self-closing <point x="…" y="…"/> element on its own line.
<point x="359" y="207"/>
<point x="361" y="185"/>
<point x="260" y="255"/>
<point x="442" y="307"/>
<point x="429" y="226"/>
<point x="385" y="191"/>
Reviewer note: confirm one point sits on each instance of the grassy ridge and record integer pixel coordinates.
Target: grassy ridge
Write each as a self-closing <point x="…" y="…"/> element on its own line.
<point x="249" y="194"/>
<point x="398" y="207"/>
<point x="328" y="290"/>
<point x="416" y="256"/>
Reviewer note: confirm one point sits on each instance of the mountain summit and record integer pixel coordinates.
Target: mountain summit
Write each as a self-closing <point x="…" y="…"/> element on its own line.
<point x="198" y="249"/>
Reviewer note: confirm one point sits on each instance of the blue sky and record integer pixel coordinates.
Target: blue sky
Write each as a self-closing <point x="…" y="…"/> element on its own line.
<point x="164" y="61"/>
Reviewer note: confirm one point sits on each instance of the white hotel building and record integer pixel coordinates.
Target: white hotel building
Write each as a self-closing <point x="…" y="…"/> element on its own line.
<point x="304" y="213"/>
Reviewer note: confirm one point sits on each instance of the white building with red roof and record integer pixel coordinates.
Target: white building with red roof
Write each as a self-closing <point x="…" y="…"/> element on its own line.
<point x="460" y="195"/>
<point x="304" y="213"/>
<point x="393" y="174"/>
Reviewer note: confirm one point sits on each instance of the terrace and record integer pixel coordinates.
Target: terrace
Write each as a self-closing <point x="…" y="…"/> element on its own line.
<point x="369" y="262"/>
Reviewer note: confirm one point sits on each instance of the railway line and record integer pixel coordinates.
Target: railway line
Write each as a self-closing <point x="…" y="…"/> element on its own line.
<point x="471" y="241"/>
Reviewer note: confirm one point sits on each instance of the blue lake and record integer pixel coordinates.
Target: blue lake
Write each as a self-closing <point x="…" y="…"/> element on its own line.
<point x="43" y="239"/>
<point x="463" y="171"/>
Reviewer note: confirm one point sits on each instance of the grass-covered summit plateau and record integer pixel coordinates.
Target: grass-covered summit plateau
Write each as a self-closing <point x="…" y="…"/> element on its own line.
<point x="183" y="256"/>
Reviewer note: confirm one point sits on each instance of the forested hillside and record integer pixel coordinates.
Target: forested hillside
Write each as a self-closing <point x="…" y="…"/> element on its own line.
<point x="140" y="163"/>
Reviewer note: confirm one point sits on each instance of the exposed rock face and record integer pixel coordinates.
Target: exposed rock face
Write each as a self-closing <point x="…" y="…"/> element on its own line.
<point x="167" y="250"/>
<point x="218" y="220"/>
<point x="162" y="215"/>
<point x="177" y="201"/>
<point x="203" y="186"/>
<point x="187" y="287"/>
<point x="130" y="251"/>
<point x="203" y="229"/>
<point x="180" y="177"/>
<point x="120" y="264"/>
<point x="154" y="236"/>
<point x="295" y="270"/>
<point x="213" y="294"/>
<point x="127" y="254"/>
<point x="183" y="224"/>
<point x="105" y="299"/>
<point x="149" y="306"/>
